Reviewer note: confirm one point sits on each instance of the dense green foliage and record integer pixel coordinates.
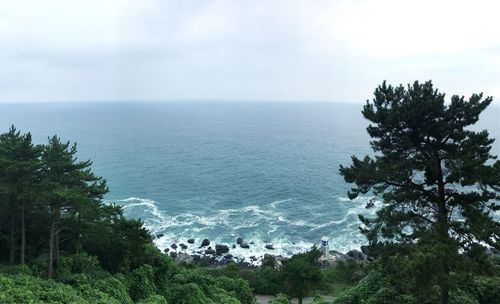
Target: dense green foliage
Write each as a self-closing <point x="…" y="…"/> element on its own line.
<point x="281" y="299"/>
<point x="438" y="182"/>
<point x="301" y="273"/>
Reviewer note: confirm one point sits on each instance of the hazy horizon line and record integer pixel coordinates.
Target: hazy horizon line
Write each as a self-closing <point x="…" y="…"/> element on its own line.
<point x="495" y="102"/>
<point x="208" y="100"/>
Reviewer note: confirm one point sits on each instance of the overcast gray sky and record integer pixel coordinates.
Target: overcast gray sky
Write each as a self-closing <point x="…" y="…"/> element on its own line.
<point x="244" y="50"/>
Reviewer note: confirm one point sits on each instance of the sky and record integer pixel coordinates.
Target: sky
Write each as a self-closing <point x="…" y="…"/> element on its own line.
<point x="63" y="50"/>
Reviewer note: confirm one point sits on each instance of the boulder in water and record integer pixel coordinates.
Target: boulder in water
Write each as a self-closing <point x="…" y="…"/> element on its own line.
<point x="205" y="242"/>
<point x="191" y="241"/>
<point x="220" y="249"/>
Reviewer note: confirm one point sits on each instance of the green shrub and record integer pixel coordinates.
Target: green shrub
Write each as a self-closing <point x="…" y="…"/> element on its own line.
<point x="155" y="299"/>
<point x="349" y="270"/>
<point x="38" y="265"/>
<point x="75" y="279"/>
<point x="221" y="296"/>
<point x="280" y="299"/>
<point x="461" y="297"/>
<point x="189" y="293"/>
<point x="93" y="295"/>
<point x="483" y="289"/>
<point x="264" y="280"/>
<point x="237" y="288"/>
<point x="376" y="289"/>
<point x="114" y="287"/>
<point x="76" y="263"/>
<point x="141" y="282"/>
<point x="163" y="266"/>
<point x="15" y="269"/>
<point x="29" y="289"/>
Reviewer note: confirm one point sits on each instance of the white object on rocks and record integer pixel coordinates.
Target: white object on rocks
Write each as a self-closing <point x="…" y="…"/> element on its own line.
<point x="325" y="246"/>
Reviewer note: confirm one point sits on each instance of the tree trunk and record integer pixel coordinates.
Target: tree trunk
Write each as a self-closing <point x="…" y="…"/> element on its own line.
<point x="50" y="269"/>
<point x="445" y="291"/>
<point x="443" y="235"/>
<point x="23" y="234"/>
<point x="12" y="236"/>
<point x="56" y="248"/>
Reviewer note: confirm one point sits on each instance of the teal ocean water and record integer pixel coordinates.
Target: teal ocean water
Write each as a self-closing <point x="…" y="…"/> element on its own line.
<point x="266" y="172"/>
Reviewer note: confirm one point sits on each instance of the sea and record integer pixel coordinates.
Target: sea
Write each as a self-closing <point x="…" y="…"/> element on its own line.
<point x="267" y="172"/>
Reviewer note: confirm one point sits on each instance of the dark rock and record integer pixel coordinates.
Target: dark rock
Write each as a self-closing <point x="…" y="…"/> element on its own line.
<point x="166" y="250"/>
<point x="183" y="246"/>
<point x="191" y="241"/>
<point x="269" y="260"/>
<point x="173" y="246"/>
<point x="268" y="256"/>
<point x="245" y="265"/>
<point x="173" y="254"/>
<point x="356" y="255"/>
<point x="221" y="249"/>
<point x="228" y="257"/>
<point x="244" y="245"/>
<point x="253" y="258"/>
<point x="184" y="258"/>
<point x="205" y="242"/>
<point x="239" y="241"/>
<point x="338" y="255"/>
<point x="366" y="249"/>
<point x="269" y="246"/>
<point x="234" y="246"/>
<point x="159" y="235"/>
<point x="491" y="252"/>
<point x="251" y="243"/>
<point x="209" y="251"/>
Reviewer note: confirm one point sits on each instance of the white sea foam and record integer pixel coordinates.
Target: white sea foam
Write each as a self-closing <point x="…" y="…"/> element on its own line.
<point x="258" y="224"/>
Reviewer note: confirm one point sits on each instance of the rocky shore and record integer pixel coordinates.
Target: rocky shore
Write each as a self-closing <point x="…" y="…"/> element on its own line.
<point x="205" y="252"/>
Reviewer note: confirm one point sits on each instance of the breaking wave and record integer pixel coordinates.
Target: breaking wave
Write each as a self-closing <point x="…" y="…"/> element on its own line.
<point x="281" y="223"/>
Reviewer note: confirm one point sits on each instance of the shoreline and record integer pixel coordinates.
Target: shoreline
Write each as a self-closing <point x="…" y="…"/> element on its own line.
<point x="206" y="252"/>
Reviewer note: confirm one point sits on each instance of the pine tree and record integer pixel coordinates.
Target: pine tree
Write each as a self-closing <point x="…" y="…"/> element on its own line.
<point x="437" y="179"/>
<point x="70" y="188"/>
<point x="301" y="273"/>
<point x="20" y="166"/>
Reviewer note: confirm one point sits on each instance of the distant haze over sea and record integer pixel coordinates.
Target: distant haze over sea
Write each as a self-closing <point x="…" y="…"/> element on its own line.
<point x="263" y="171"/>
